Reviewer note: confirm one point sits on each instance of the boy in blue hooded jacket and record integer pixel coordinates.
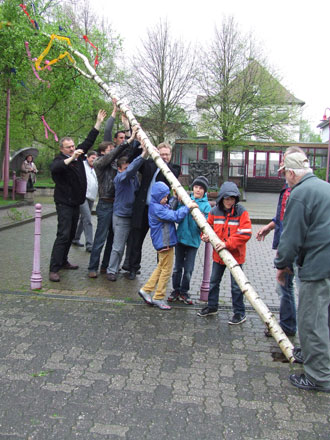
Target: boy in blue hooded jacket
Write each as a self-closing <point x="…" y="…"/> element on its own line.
<point x="163" y="235"/>
<point x="189" y="240"/>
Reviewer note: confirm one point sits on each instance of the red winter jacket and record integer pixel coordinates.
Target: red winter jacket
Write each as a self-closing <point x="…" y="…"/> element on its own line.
<point x="234" y="228"/>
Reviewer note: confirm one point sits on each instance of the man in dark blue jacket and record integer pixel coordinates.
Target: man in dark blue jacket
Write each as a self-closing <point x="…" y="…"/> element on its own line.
<point x="68" y="173"/>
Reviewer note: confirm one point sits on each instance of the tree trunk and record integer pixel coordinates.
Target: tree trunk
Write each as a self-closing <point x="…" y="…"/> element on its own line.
<point x="225" y="163"/>
<point x="231" y="263"/>
<point x="6" y="158"/>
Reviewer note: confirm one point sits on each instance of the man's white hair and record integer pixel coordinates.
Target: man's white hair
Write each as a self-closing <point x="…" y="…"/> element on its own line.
<point x="300" y="171"/>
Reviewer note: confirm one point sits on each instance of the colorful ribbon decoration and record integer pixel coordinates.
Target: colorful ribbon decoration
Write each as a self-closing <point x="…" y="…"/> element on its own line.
<point x="34" y="23"/>
<point x="96" y="62"/>
<point x="55" y="60"/>
<point x="34" y="70"/>
<point x="48" y="128"/>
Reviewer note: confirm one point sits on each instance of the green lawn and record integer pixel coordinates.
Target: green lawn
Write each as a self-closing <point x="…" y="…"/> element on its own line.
<point x="7" y="202"/>
<point x="45" y="182"/>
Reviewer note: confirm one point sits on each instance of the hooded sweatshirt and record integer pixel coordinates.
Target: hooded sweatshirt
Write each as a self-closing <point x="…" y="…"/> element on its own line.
<point x="231" y="226"/>
<point x="188" y="231"/>
<point x="162" y="218"/>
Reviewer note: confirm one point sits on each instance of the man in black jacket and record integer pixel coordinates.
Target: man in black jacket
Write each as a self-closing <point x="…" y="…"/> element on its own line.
<point x="140" y="224"/>
<point x="68" y="173"/>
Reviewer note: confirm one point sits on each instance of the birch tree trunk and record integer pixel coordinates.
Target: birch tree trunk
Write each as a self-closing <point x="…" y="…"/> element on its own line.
<point x="267" y="317"/>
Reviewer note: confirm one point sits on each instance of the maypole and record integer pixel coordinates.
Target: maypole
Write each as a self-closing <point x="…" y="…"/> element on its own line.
<point x="267" y="317"/>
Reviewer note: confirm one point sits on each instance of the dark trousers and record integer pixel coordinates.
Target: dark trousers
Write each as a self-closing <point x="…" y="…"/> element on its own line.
<point x="136" y="239"/>
<point x="183" y="268"/>
<point x="236" y="293"/>
<point x="107" y="249"/>
<point x="67" y="220"/>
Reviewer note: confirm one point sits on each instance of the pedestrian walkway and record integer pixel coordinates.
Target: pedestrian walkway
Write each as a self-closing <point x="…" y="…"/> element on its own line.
<point x="17" y="264"/>
<point x="87" y="359"/>
<point x="96" y="371"/>
<point x="19" y="243"/>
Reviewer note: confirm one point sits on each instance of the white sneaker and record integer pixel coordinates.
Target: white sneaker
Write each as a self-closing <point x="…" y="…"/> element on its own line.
<point x="161" y="304"/>
<point x="146" y="297"/>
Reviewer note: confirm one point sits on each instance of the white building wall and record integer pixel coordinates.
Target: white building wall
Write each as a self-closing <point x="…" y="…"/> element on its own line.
<point x="325" y="134"/>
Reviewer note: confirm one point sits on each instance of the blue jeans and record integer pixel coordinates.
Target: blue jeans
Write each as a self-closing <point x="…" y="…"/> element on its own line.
<point x="104" y="222"/>
<point x="288" y="316"/>
<point x="121" y="228"/>
<point x="184" y="262"/>
<point x="236" y="293"/>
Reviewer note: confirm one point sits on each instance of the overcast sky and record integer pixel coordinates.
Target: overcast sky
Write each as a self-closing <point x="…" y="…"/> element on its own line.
<point x="294" y="34"/>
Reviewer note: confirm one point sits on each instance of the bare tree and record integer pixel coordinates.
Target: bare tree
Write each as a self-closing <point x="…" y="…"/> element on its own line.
<point x="162" y="74"/>
<point x="241" y="98"/>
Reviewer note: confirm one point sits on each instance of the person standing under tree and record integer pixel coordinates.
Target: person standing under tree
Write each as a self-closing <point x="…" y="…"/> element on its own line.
<point x="28" y="172"/>
<point x="68" y="173"/>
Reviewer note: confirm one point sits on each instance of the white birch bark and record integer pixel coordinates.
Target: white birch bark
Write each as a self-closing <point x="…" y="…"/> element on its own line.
<point x="267" y="317"/>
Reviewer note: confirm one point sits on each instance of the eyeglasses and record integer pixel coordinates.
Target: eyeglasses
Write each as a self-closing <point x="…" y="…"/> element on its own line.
<point x="69" y="146"/>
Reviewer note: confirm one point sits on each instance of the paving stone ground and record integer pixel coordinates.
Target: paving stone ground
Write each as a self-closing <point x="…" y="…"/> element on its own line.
<point x="86" y="359"/>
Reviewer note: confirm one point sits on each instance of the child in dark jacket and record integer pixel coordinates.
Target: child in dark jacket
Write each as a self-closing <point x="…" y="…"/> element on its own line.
<point x="189" y="240"/>
<point x="163" y="235"/>
<point x="232" y="225"/>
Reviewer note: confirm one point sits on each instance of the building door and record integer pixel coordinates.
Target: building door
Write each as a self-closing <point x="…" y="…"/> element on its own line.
<point x="264" y="164"/>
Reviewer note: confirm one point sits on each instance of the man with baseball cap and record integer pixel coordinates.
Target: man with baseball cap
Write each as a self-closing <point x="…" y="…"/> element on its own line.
<point x="306" y="240"/>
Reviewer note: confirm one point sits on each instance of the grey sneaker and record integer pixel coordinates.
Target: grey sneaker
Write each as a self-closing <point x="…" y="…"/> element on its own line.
<point x="146" y="297"/>
<point x="161" y="304"/>
<point x="303" y="382"/>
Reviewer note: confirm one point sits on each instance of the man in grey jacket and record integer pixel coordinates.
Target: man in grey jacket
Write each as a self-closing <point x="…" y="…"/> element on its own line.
<point x="306" y="240"/>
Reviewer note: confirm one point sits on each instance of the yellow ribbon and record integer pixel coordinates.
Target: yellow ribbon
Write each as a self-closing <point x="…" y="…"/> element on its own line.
<point x="55" y="60"/>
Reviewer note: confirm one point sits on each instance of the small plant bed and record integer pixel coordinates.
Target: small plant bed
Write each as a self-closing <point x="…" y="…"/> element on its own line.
<point x="17" y="215"/>
<point x="7" y="202"/>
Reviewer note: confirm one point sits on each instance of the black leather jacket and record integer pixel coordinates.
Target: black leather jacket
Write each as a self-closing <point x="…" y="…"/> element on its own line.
<point x="106" y="169"/>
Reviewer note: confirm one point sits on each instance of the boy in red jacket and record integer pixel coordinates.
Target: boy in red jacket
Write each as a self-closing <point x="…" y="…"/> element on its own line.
<point x="232" y="225"/>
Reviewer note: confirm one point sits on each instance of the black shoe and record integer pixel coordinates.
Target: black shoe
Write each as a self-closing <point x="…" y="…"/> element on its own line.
<point x="237" y="319"/>
<point x="77" y="243"/>
<point x="206" y="311"/>
<point x="306" y="384"/>
<point x="298" y="356"/>
<point x="174" y="296"/>
<point x="269" y="335"/>
<point x="132" y="276"/>
<point x="111" y="277"/>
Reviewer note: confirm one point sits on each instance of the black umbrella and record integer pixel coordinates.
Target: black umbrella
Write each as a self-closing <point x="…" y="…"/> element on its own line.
<point x="19" y="156"/>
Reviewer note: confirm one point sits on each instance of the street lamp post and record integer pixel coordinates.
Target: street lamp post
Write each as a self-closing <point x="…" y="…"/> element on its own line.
<point x="328" y="158"/>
